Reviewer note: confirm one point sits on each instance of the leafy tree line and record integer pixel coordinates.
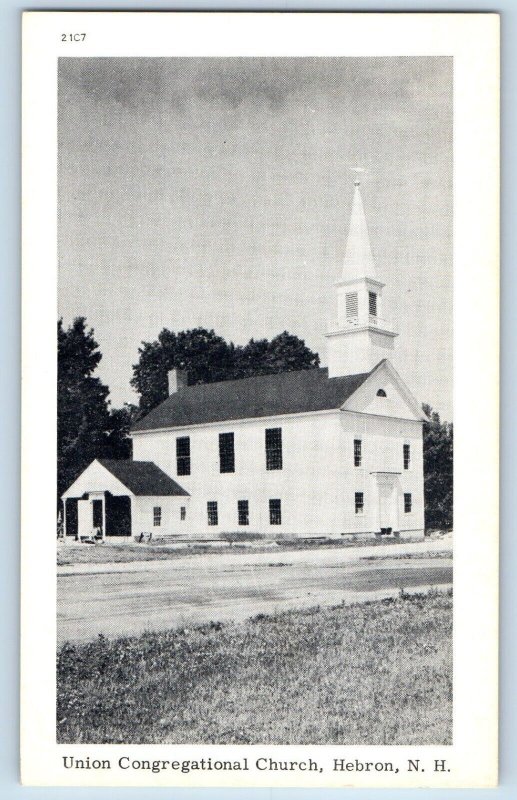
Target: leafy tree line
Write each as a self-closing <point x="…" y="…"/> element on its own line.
<point x="207" y="358"/>
<point x="88" y="428"/>
<point x="438" y="471"/>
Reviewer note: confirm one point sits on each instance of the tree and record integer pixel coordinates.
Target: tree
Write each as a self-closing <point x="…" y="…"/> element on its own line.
<point x="117" y="441"/>
<point x="82" y="407"/>
<point x="438" y="471"/>
<point x="207" y="357"/>
<point x="204" y="355"/>
<point x="284" y="353"/>
<point x="86" y="427"/>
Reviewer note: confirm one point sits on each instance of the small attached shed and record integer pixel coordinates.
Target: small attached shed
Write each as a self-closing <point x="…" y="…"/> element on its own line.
<point x="113" y="499"/>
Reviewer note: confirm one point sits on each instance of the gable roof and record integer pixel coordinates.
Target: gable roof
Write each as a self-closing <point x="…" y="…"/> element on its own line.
<point x="261" y="396"/>
<point x="386" y="367"/>
<point x="143" y="478"/>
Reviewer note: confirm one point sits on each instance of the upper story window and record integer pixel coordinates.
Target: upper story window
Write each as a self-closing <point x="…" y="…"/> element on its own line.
<point x="358" y="452"/>
<point x="351" y="305"/>
<point x="275" y="512"/>
<point x="407" y="503"/>
<point x="372" y="304"/>
<point x="211" y="509"/>
<point x="183" y="513"/>
<point x="273" y="448"/>
<point x="407" y="456"/>
<point x="381" y="393"/>
<point x="157" y="516"/>
<point x="359" y="502"/>
<point x="226" y="452"/>
<point x="183" y="455"/>
<point x="243" y="512"/>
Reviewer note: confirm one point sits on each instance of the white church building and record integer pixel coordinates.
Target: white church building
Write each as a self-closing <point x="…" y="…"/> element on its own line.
<point x="315" y="453"/>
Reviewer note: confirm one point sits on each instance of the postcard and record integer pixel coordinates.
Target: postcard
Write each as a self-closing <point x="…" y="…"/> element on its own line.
<point x="260" y="399"/>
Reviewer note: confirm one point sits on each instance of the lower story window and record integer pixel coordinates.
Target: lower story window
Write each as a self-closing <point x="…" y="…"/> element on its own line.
<point x="157" y="516"/>
<point x="243" y="512"/>
<point x="275" y="512"/>
<point x="359" y="502"/>
<point x="211" y="508"/>
<point x="183" y="513"/>
<point x="407" y="503"/>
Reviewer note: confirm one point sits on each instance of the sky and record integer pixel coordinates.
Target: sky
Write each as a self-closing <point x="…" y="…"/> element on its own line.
<point x="217" y="192"/>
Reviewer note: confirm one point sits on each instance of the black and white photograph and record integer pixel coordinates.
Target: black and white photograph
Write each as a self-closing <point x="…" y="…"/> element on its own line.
<point x="255" y="438"/>
<point x="256" y="380"/>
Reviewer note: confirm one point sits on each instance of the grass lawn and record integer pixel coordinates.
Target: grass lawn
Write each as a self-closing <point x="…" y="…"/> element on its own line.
<point x="120" y="553"/>
<point x="68" y="554"/>
<point x="406" y="556"/>
<point x="371" y="673"/>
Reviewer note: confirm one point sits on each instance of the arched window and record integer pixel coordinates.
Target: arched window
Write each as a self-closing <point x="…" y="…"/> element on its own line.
<point x="381" y="393"/>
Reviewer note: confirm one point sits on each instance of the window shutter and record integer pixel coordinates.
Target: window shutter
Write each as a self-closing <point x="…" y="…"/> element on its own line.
<point x="351" y="305"/>
<point x="372" y="304"/>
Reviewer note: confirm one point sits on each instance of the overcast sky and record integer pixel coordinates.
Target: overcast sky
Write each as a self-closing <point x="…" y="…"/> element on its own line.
<point x="217" y="192"/>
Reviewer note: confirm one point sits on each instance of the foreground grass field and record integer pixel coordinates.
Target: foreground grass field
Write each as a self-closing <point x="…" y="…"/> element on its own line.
<point x="372" y="673"/>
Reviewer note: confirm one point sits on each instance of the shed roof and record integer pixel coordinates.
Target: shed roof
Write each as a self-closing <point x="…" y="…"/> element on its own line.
<point x="143" y="478"/>
<point x="261" y="396"/>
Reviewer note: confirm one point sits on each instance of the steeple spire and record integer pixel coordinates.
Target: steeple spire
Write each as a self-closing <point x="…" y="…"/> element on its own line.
<point x="358" y="261"/>
<point x="361" y="335"/>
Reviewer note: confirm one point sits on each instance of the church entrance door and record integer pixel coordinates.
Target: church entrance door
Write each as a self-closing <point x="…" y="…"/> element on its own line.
<point x="388" y="502"/>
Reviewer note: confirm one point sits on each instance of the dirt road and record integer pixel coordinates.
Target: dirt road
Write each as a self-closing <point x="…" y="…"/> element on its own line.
<point x="126" y="599"/>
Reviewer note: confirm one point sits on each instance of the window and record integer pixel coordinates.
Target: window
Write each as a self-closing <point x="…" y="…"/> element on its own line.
<point x="407" y="503"/>
<point x="243" y="512"/>
<point x="211" y="508"/>
<point x="157" y="516"/>
<point x="183" y="455"/>
<point x="226" y="453"/>
<point x="359" y="502"/>
<point x="381" y="393"/>
<point x="407" y="456"/>
<point x="275" y="512"/>
<point x="274" y="448"/>
<point x="351" y="305"/>
<point x="372" y="304"/>
<point x="183" y="513"/>
<point x="357" y="452"/>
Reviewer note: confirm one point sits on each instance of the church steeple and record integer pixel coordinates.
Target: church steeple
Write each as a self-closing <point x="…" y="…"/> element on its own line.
<point x="361" y="336"/>
<point x="358" y="255"/>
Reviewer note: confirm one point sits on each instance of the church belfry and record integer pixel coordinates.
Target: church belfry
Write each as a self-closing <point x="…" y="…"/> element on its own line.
<point x="361" y="336"/>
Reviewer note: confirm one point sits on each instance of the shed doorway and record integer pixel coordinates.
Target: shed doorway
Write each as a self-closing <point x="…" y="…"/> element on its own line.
<point x="91" y="517"/>
<point x="99" y="517"/>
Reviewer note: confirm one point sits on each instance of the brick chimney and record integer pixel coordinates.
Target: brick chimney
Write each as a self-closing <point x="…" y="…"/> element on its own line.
<point x="178" y="380"/>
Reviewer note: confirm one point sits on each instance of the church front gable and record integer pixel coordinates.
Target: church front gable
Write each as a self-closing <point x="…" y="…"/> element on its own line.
<point x="384" y="394"/>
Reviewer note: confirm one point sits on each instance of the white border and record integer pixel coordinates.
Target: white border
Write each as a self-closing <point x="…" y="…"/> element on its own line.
<point x="473" y="41"/>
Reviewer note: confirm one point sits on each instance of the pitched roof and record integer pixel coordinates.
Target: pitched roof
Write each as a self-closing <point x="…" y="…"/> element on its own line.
<point x="143" y="478"/>
<point x="260" y="396"/>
